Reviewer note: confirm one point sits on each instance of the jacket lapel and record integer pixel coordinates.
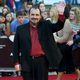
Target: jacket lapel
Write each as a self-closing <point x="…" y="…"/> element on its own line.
<point x="26" y="32"/>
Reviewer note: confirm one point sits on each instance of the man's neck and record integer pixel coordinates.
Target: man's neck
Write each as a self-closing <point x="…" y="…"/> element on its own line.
<point x="33" y="25"/>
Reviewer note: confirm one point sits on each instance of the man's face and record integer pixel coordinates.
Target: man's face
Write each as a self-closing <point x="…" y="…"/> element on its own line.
<point x="34" y="16"/>
<point x="20" y="19"/>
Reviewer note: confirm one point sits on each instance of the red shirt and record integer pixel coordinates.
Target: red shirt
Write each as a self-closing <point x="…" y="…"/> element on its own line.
<point x="36" y="49"/>
<point x="61" y="17"/>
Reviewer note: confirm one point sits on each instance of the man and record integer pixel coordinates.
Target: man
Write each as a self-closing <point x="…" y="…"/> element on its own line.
<point x="19" y="21"/>
<point x="37" y="46"/>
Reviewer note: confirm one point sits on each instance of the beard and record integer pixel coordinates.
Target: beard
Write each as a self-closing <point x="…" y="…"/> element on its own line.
<point x="34" y="21"/>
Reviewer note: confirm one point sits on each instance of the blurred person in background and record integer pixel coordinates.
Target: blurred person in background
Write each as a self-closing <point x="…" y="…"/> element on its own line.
<point x="20" y="19"/>
<point x="60" y="7"/>
<point x="2" y="4"/>
<point x="63" y="38"/>
<point x="75" y="25"/>
<point x="54" y="14"/>
<point x="18" y="5"/>
<point x="5" y="10"/>
<point x="27" y="8"/>
<point x="26" y="2"/>
<point x="41" y="6"/>
<point x="10" y="4"/>
<point x="45" y="14"/>
<point x="2" y="24"/>
<point x="9" y="19"/>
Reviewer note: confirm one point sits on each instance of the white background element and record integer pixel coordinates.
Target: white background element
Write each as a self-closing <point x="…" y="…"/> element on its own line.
<point x="50" y="2"/>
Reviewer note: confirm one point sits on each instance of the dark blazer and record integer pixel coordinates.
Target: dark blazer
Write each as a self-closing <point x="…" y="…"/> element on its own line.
<point x="22" y="43"/>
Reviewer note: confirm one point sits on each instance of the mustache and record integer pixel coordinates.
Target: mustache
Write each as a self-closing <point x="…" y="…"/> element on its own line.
<point x="34" y="18"/>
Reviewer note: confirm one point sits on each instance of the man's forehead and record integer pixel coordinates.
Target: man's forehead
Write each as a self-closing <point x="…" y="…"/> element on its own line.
<point x="35" y="10"/>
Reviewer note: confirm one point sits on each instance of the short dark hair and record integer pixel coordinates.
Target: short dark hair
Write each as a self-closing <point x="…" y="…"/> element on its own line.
<point x="35" y="7"/>
<point x="20" y="13"/>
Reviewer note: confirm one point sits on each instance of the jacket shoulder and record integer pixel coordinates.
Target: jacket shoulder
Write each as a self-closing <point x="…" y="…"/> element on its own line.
<point x="21" y="27"/>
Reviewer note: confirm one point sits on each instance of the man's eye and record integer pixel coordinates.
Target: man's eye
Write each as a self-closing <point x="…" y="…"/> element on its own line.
<point x="32" y="14"/>
<point x="37" y="14"/>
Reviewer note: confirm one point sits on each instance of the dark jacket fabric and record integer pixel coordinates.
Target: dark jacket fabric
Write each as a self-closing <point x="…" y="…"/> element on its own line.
<point x="22" y="44"/>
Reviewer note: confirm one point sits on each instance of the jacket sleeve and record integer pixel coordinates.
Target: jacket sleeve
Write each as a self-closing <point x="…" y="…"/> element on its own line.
<point x="66" y="33"/>
<point x="16" y="48"/>
<point x="56" y="26"/>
